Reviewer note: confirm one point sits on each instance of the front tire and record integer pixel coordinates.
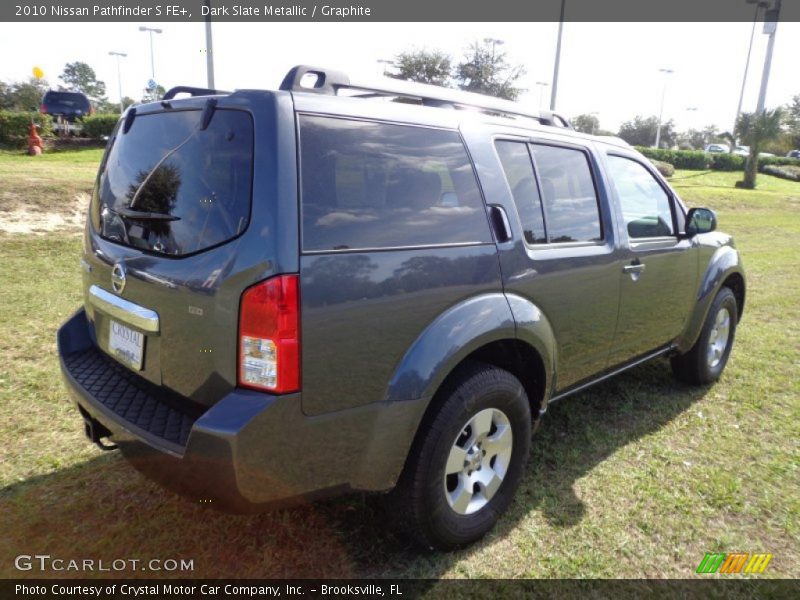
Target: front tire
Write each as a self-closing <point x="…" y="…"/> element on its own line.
<point x="704" y="363"/>
<point x="466" y="462"/>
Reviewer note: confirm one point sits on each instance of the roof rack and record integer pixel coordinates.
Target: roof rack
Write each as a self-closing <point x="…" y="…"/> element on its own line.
<point x="316" y="80"/>
<point x="192" y="91"/>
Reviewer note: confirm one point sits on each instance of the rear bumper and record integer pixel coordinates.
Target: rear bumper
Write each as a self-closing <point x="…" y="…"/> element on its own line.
<point x="249" y="450"/>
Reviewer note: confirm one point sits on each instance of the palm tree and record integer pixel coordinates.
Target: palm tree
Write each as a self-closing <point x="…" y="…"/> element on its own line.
<point x="755" y="129"/>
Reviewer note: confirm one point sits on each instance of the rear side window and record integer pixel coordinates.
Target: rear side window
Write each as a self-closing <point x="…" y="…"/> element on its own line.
<point x="570" y="200"/>
<point x="167" y="186"/>
<point x="377" y="185"/>
<point x="519" y="173"/>
<point x="645" y="205"/>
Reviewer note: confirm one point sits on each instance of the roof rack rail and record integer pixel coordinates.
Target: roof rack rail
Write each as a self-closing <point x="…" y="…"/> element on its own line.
<point x="192" y="91"/>
<point x="316" y="80"/>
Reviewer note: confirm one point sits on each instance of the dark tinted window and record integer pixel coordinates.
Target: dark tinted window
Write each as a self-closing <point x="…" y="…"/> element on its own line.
<point x="64" y="100"/>
<point x="519" y="172"/>
<point x="168" y="187"/>
<point x="645" y="205"/>
<point x="375" y="185"/>
<point x="570" y="200"/>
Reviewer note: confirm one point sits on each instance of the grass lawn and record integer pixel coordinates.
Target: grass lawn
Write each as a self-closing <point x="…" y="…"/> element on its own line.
<point x="639" y="477"/>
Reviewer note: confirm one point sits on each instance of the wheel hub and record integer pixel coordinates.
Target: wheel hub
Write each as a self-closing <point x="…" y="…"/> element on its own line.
<point x="718" y="338"/>
<point x="478" y="461"/>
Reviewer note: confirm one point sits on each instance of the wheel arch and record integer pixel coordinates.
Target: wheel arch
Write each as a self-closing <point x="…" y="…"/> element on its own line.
<point x="723" y="270"/>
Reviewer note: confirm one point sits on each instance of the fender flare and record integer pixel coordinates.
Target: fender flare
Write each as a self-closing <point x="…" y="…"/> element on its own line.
<point x="724" y="262"/>
<point x="461" y="330"/>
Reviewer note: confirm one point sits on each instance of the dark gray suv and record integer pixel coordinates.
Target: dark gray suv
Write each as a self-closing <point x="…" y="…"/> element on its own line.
<point x="301" y="292"/>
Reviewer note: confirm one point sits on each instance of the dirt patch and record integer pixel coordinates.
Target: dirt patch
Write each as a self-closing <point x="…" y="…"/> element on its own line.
<point x="20" y="219"/>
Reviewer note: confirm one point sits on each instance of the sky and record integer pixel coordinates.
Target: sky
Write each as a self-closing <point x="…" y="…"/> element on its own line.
<point x="608" y="68"/>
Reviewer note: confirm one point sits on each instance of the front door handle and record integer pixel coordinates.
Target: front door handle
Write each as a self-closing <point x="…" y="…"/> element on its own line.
<point x="633" y="268"/>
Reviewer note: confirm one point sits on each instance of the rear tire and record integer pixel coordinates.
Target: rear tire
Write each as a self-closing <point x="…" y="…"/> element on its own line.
<point x="466" y="462"/>
<point x="704" y="363"/>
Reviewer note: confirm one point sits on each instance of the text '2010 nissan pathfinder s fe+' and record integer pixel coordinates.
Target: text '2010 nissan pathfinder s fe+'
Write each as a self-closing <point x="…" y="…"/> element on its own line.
<point x="300" y="292"/>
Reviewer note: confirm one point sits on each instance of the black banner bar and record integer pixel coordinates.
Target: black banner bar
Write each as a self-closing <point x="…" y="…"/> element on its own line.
<point x="67" y="11"/>
<point x="226" y="589"/>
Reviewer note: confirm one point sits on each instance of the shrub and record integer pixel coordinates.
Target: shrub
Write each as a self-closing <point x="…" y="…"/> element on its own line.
<point x="784" y="172"/>
<point x="680" y="159"/>
<point x="97" y="126"/>
<point x="666" y="169"/>
<point x="723" y="161"/>
<point x="14" y="126"/>
<point x="778" y="161"/>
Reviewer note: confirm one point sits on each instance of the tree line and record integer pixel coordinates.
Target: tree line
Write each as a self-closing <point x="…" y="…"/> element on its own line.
<point x="76" y="77"/>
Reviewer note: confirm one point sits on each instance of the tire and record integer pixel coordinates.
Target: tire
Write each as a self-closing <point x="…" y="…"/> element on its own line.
<point x="483" y="407"/>
<point x="704" y="363"/>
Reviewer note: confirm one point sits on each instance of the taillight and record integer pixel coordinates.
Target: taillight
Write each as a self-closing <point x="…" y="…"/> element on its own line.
<point x="269" y="336"/>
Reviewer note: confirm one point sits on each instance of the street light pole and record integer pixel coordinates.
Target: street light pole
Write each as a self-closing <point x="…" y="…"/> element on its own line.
<point x="759" y="5"/>
<point x="661" y="110"/>
<point x="119" y="55"/>
<point x="770" y="26"/>
<point x="554" y="92"/>
<point x="151" y="31"/>
<point x="542" y="85"/>
<point x="209" y="48"/>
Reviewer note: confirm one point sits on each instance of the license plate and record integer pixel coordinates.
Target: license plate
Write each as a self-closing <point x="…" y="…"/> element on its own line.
<point x="126" y="345"/>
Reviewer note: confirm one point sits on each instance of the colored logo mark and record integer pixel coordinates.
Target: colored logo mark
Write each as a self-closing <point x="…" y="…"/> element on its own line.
<point x="737" y="562"/>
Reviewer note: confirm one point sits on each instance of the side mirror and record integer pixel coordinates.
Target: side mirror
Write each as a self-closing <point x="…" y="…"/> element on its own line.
<point x="700" y="220"/>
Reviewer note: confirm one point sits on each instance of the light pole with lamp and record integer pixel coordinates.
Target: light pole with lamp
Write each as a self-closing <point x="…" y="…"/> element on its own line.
<point x="151" y="31"/>
<point x="119" y="55"/>
<point x="666" y="73"/>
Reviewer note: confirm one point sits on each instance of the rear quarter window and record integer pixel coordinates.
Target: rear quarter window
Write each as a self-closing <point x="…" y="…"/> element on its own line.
<point x="378" y="185"/>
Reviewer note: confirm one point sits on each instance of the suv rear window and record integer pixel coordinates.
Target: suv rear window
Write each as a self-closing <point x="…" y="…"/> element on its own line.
<point x="378" y="185"/>
<point x="65" y="101"/>
<point x="166" y="186"/>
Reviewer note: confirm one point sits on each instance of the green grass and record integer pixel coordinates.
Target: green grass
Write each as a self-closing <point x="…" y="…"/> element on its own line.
<point x="639" y="477"/>
<point x="47" y="182"/>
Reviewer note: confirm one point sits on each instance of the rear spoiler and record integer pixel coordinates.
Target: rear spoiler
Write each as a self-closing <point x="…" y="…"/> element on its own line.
<point x="192" y="91"/>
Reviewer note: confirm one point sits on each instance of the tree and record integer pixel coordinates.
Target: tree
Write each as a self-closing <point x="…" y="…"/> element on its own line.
<point x="696" y="139"/>
<point x="424" y="66"/>
<point x="793" y="120"/>
<point x="486" y="71"/>
<point x="586" y="124"/>
<point x="755" y="129"/>
<point x="80" y="77"/>
<point x="641" y="131"/>
<point x="25" y="95"/>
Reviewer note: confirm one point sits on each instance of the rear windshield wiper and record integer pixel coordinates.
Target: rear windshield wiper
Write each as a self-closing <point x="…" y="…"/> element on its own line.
<point x="140" y="215"/>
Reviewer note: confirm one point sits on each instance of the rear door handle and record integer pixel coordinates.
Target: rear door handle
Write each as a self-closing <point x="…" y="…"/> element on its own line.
<point x="502" y="227"/>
